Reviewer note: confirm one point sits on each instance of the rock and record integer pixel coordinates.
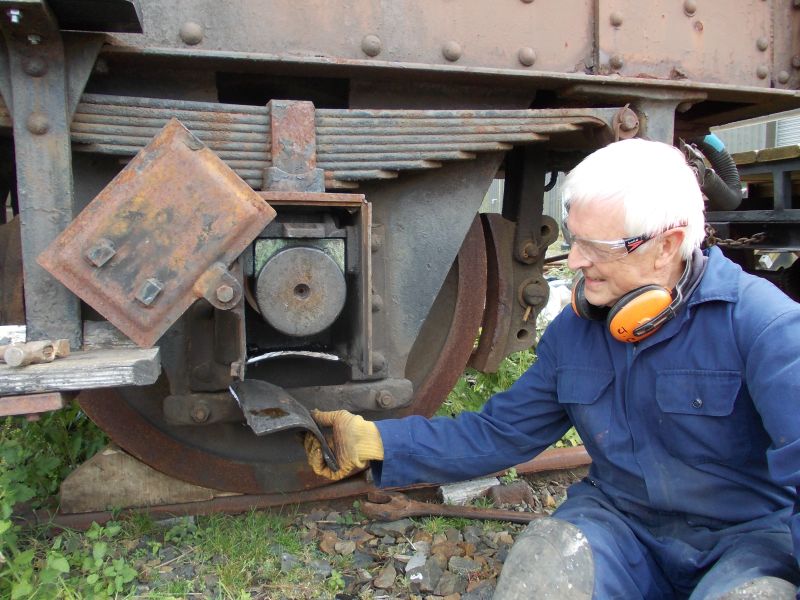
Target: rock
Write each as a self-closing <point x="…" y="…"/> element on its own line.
<point x="345" y="548"/>
<point x="473" y="535"/>
<point x="548" y="500"/>
<point x="417" y="561"/>
<point x="320" y="568"/>
<point x="454" y="535"/>
<point x="289" y="562"/>
<point x="363" y="560"/>
<point x="518" y="492"/>
<point x="425" y="578"/>
<point x="462" y="566"/>
<point x="385" y="578"/>
<point x="483" y="590"/>
<point x="448" y="549"/>
<point x="328" y="542"/>
<point x="450" y="583"/>
<point x="423" y="548"/>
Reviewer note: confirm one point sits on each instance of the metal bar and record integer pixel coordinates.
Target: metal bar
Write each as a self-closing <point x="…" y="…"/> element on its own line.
<point x="379" y="165"/>
<point x="362" y="175"/>
<point x="44" y="167"/>
<point x="477" y="128"/>
<point x="123" y="150"/>
<point x="191" y="123"/>
<point x="427" y="146"/>
<point x="344" y="157"/>
<point x="138" y="130"/>
<point x="141" y="142"/>
<point x="430" y="139"/>
<point x="399" y="120"/>
<point x="164" y="103"/>
<point x="790" y="215"/>
<point x="362" y="113"/>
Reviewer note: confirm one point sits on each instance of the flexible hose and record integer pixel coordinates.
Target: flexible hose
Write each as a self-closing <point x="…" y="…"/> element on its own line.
<point x="722" y="186"/>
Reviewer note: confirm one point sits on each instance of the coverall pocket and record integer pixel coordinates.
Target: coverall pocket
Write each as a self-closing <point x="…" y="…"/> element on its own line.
<point x="699" y="421"/>
<point x="586" y="394"/>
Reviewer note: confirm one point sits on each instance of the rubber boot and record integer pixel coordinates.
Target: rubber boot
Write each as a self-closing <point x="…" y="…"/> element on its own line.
<point x="761" y="588"/>
<point x="551" y="560"/>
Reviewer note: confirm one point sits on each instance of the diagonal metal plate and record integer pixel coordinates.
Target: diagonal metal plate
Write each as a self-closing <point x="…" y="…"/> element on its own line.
<point x="137" y="250"/>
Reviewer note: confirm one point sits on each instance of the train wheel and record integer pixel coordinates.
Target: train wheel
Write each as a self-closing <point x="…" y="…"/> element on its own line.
<point x="227" y="456"/>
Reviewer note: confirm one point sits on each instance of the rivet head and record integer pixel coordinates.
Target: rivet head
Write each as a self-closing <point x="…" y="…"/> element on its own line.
<point x="149" y="291"/>
<point x="377" y="303"/>
<point x="451" y="51"/>
<point x="224" y="293"/>
<point x="526" y="56"/>
<point x="35" y="66"/>
<point x="762" y="71"/>
<point x="371" y="45"/>
<point x="101" y="252"/>
<point x="697" y="403"/>
<point x="378" y="362"/>
<point x="616" y="62"/>
<point x="689" y="7"/>
<point x="628" y="121"/>
<point x="191" y="33"/>
<point x="200" y="412"/>
<point x="615" y="19"/>
<point x="783" y="77"/>
<point x="796" y="62"/>
<point x="385" y="399"/>
<point x="37" y="123"/>
<point x="762" y="44"/>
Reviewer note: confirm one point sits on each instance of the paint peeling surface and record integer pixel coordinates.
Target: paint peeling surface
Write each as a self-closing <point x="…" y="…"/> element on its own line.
<point x="159" y="226"/>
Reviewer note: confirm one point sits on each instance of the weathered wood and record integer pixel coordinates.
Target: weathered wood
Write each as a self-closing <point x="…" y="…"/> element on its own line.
<point x="113" y="479"/>
<point x="465" y="491"/>
<point x="102" y="334"/>
<point x="82" y="370"/>
<point x="31" y="404"/>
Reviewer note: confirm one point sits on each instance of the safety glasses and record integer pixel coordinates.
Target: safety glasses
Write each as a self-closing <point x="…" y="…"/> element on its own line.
<point x="599" y="251"/>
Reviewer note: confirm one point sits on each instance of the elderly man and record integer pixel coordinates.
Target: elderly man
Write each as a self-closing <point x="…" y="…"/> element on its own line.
<point x="680" y="372"/>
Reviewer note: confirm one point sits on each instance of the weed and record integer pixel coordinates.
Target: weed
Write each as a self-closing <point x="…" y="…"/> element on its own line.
<point x="509" y="476"/>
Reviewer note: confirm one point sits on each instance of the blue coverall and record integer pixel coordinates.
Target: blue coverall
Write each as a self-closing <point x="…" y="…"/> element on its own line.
<point x="694" y="435"/>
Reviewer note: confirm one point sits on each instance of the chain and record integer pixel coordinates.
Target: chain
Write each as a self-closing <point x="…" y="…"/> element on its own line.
<point x="713" y="240"/>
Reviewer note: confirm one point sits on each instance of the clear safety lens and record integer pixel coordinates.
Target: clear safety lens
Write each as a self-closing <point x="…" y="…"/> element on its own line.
<point x="603" y="250"/>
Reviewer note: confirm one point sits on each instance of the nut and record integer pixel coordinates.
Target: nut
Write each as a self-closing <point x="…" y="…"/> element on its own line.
<point x="149" y="291"/>
<point x="224" y="293"/>
<point x="200" y="412"/>
<point x="385" y="399"/>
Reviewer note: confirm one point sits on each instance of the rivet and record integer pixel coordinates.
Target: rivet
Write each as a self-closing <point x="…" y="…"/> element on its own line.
<point x="689" y="8"/>
<point x="377" y="303"/>
<point x="35" y="66"/>
<point x="683" y="107"/>
<point x="616" y="62"/>
<point x="14" y="15"/>
<point x="783" y="77"/>
<point x="628" y="121"/>
<point x="451" y="51"/>
<point x="191" y="33"/>
<point x="37" y="123"/>
<point x="526" y="56"/>
<point x="762" y="43"/>
<point x="378" y="362"/>
<point x="224" y="293"/>
<point x="615" y="19"/>
<point x="762" y="71"/>
<point x="698" y="26"/>
<point x="796" y="62"/>
<point x="34" y="39"/>
<point x="200" y="412"/>
<point x="385" y="399"/>
<point x="371" y="45"/>
<point x="149" y="291"/>
<point x="101" y="252"/>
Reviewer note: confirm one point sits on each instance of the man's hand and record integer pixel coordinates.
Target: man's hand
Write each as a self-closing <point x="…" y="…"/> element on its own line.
<point x="355" y="443"/>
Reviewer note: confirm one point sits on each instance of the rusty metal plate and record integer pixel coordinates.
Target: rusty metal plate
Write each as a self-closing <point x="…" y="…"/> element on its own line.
<point x="719" y="42"/>
<point x="142" y="250"/>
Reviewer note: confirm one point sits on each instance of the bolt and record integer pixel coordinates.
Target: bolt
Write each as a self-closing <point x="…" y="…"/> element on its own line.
<point x="796" y="62"/>
<point x="616" y="62"/>
<point x="689" y="8"/>
<point x="191" y="33"/>
<point x="762" y="71"/>
<point x="530" y="251"/>
<point x="149" y="291"/>
<point x="224" y="293"/>
<point x="762" y="44"/>
<point x="628" y="121"/>
<point x="526" y="56"/>
<point x="385" y="399"/>
<point x="378" y="362"/>
<point x="371" y="45"/>
<point x="616" y="19"/>
<point x="451" y="51"/>
<point x="377" y="303"/>
<point x="35" y="66"/>
<point x="532" y="294"/>
<point x="101" y="252"/>
<point x="37" y="123"/>
<point x="14" y="15"/>
<point x="200" y="412"/>
<point x="783" y="77"/>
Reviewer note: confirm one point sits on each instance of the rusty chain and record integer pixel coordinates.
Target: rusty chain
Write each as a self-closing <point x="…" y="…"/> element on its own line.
<point x="712" y="240"/>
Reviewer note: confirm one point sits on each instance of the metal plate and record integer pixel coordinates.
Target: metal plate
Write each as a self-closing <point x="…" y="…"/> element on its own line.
<point x="137" y="251"/>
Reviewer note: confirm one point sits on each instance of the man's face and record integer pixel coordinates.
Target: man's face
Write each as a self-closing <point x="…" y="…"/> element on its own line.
<point x="607" y="282"/>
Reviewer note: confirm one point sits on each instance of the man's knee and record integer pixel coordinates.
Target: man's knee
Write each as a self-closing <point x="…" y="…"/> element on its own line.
<point x="551" y="559"/>
<point x="761" y="588"/>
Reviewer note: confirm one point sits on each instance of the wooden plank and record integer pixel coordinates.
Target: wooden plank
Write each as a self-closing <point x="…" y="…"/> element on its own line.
<point x="31" y="404"/>
<point x="102" y="334"/>
<point x="462" y="492"/>
<point x="83" y="370"/>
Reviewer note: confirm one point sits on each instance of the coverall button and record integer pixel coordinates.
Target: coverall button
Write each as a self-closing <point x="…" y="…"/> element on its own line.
<point x="697" y="403"/>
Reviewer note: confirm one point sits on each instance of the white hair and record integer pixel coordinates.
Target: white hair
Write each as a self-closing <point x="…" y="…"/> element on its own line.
<point x="658" y="190"/>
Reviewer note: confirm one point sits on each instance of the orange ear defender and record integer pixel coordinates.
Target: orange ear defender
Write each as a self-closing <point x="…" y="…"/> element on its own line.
<point x="639" y="313"/>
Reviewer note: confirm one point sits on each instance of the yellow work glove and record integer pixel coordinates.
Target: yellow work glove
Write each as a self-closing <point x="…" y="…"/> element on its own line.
<point x="355" y="443"/>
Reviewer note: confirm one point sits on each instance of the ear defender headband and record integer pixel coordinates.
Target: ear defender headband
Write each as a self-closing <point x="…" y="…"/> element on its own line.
<point x="639" y="313"/>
